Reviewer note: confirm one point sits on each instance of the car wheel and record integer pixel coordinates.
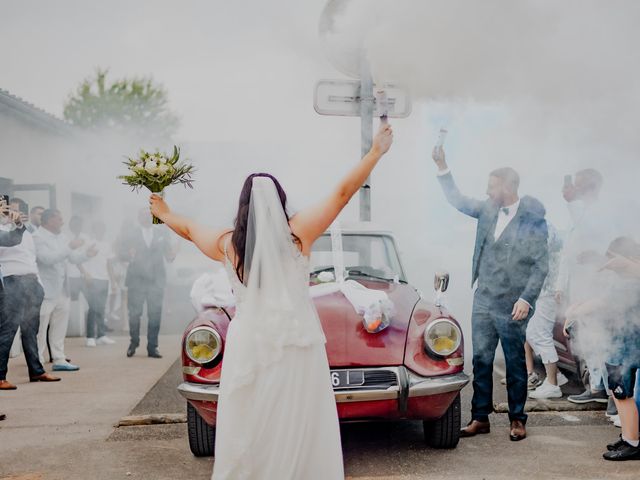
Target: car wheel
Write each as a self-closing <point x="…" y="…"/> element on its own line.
<point x="201" y="436"/>
<point x="444" y="432"/>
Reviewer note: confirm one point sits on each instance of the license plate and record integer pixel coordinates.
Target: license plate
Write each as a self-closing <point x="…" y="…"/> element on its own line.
<point x="347" y="378"/>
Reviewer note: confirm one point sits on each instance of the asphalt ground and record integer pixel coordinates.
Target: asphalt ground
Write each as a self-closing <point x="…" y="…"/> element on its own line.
<point x="561" y="445"/>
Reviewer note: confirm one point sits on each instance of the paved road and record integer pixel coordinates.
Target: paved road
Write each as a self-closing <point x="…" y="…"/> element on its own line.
<point x="559" y="446"/>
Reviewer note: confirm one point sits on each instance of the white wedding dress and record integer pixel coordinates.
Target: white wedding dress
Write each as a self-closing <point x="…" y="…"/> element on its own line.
<point x="277" y="417"/>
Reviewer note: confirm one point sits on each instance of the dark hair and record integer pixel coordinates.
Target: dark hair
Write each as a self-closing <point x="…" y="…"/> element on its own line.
<point x="239" y="236"/>
<point x="624" y="246"/>
<point x="21" y="203"/>
<point x="509" y="176"/>
<point x="593" y="177"/>
<point x="48" y="214"/>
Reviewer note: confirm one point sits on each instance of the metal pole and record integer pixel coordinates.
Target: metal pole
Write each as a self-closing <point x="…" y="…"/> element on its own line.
<point x="366" y="134"/>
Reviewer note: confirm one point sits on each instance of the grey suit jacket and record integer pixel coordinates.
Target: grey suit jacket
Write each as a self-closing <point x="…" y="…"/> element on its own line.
<point x="528" y="255"/>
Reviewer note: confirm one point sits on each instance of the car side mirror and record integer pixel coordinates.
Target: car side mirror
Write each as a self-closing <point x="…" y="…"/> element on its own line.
<point x="441" y="282"/>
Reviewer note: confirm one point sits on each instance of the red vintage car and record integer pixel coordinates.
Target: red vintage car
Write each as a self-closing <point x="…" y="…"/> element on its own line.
<point x="413" y="369"/>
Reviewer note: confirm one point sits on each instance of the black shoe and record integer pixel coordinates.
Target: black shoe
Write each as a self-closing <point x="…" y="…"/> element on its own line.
<point x="2" y="416"/>
<point x="155" y="354"/>
<point x="624" y="452"/>
<point x="616" y="445"/>
<point x="131" y="351"/>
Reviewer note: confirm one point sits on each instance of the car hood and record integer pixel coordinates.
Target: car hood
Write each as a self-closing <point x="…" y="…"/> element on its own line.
<point x="349" y="344"/>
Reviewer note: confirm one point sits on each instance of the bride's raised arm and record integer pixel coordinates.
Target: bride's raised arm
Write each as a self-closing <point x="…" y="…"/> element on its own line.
<point x="207" y="239"/>
<point x="310" y="223"/>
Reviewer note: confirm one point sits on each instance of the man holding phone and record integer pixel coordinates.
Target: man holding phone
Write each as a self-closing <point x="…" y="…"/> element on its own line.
<point x="11" y="232"/>
<point x="592" y="224"/>
<point x="23" y="296"/>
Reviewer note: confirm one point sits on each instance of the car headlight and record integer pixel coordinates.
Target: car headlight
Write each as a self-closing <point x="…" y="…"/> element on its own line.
<point x="442" y="337"/>
<point x="203" y="344"/>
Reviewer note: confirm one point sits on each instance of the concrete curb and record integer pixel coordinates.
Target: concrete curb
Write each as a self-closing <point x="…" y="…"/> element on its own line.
<point x="153" y="419"/>
<point x="553" y="406"/>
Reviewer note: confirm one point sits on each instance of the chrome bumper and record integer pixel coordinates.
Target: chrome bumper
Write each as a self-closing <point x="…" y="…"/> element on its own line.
<point x="410" y="385"/>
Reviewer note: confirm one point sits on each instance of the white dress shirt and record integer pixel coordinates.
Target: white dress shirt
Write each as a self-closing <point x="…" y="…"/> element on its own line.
<point x="505" y="215"/>
<point x="96" y="266"/>
<point x="147" y="234"/>
<point x="74" y="270"/>
<point x="20" y="259"/>
<point x="52" y="253"/>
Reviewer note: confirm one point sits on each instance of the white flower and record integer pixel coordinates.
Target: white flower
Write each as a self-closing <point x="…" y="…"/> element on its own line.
<point x="163" y="168"/>
<point x="325" y="277"/>
<point x="162" y="160"/>
<point x="151" y="167"/>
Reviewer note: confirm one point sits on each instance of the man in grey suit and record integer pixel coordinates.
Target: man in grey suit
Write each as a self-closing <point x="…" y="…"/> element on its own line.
<point x="510" y="263"/>
<point x="147" y="248"/>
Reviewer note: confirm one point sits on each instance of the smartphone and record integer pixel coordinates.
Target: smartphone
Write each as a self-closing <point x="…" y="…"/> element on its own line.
<point x="5" y="198"/>
<point x="568" y="181"/>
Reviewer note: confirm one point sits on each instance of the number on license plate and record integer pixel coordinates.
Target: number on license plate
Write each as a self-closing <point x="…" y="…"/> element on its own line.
<point x="347" y="378"/>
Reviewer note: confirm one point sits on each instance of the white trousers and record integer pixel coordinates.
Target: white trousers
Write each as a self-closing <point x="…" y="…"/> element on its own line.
<point x="54" y="315"/>
<point x="540" y="329"/>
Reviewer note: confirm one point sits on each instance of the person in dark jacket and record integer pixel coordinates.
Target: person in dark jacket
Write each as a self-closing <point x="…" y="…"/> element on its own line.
<point x="510" y="264"/>
<point x="147" y="249"/>
<point x="9" y="239"/>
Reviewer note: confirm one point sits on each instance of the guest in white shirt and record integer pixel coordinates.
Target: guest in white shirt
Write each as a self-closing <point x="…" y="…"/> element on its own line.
<point x="75" y="272"/>
<point x="20" y="307"/>
<point x="592" y="226"/>
<point x="35" y="217"/>
<point x="53" y="250"/>
<point x="96" y="287"/>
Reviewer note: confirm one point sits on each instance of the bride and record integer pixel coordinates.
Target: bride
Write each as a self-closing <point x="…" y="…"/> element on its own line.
<point x="277" y="417"/>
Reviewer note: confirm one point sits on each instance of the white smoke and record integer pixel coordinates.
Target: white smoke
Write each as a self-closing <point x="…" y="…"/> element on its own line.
<point x="545" y="87"/>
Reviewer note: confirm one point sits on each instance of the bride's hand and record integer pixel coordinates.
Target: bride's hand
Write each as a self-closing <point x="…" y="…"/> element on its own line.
<point x="383" y="139"/>
<point x="158" y="206"/>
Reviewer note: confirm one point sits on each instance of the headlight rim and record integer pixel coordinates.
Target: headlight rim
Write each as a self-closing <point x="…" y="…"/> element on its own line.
<point x="431" y="325"/>
<point x="207" y="329"/>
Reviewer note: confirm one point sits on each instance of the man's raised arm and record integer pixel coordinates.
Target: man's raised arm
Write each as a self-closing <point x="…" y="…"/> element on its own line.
<point x="467" y="205"/>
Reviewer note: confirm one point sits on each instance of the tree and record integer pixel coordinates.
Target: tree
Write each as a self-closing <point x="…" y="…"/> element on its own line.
<point x="136" y="106"/>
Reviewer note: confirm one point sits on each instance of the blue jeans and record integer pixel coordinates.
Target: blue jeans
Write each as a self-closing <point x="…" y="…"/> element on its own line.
<point x="491" y="323"/>
<point x="137" y="296"/>
<point x="20" y="307"/>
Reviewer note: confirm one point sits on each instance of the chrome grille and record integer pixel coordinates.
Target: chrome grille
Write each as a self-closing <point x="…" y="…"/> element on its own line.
<point x="385" y="378"/>
<point x="373" y="378"/>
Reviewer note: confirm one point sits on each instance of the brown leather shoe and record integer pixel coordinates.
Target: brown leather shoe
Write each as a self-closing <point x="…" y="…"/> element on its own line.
<point x="45" y="377"/>
<point x="4" y="385"/>
<point x="518" y="431"/>
<point x="474" y="428"/>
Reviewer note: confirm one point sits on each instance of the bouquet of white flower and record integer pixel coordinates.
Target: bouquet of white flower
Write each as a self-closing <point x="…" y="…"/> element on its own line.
<point x="156" y="171"/>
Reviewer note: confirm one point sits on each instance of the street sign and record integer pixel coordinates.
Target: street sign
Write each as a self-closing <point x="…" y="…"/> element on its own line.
<point x="342" y="98"/>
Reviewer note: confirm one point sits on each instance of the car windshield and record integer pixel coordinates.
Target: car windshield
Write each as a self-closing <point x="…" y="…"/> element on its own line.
<point x="366" y="255"/>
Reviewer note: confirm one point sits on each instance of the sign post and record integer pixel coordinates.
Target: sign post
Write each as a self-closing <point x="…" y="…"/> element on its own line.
<point x="355" y="98"/>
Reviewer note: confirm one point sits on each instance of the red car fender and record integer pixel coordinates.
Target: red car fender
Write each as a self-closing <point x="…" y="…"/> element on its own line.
<point x="416" y="358"/>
